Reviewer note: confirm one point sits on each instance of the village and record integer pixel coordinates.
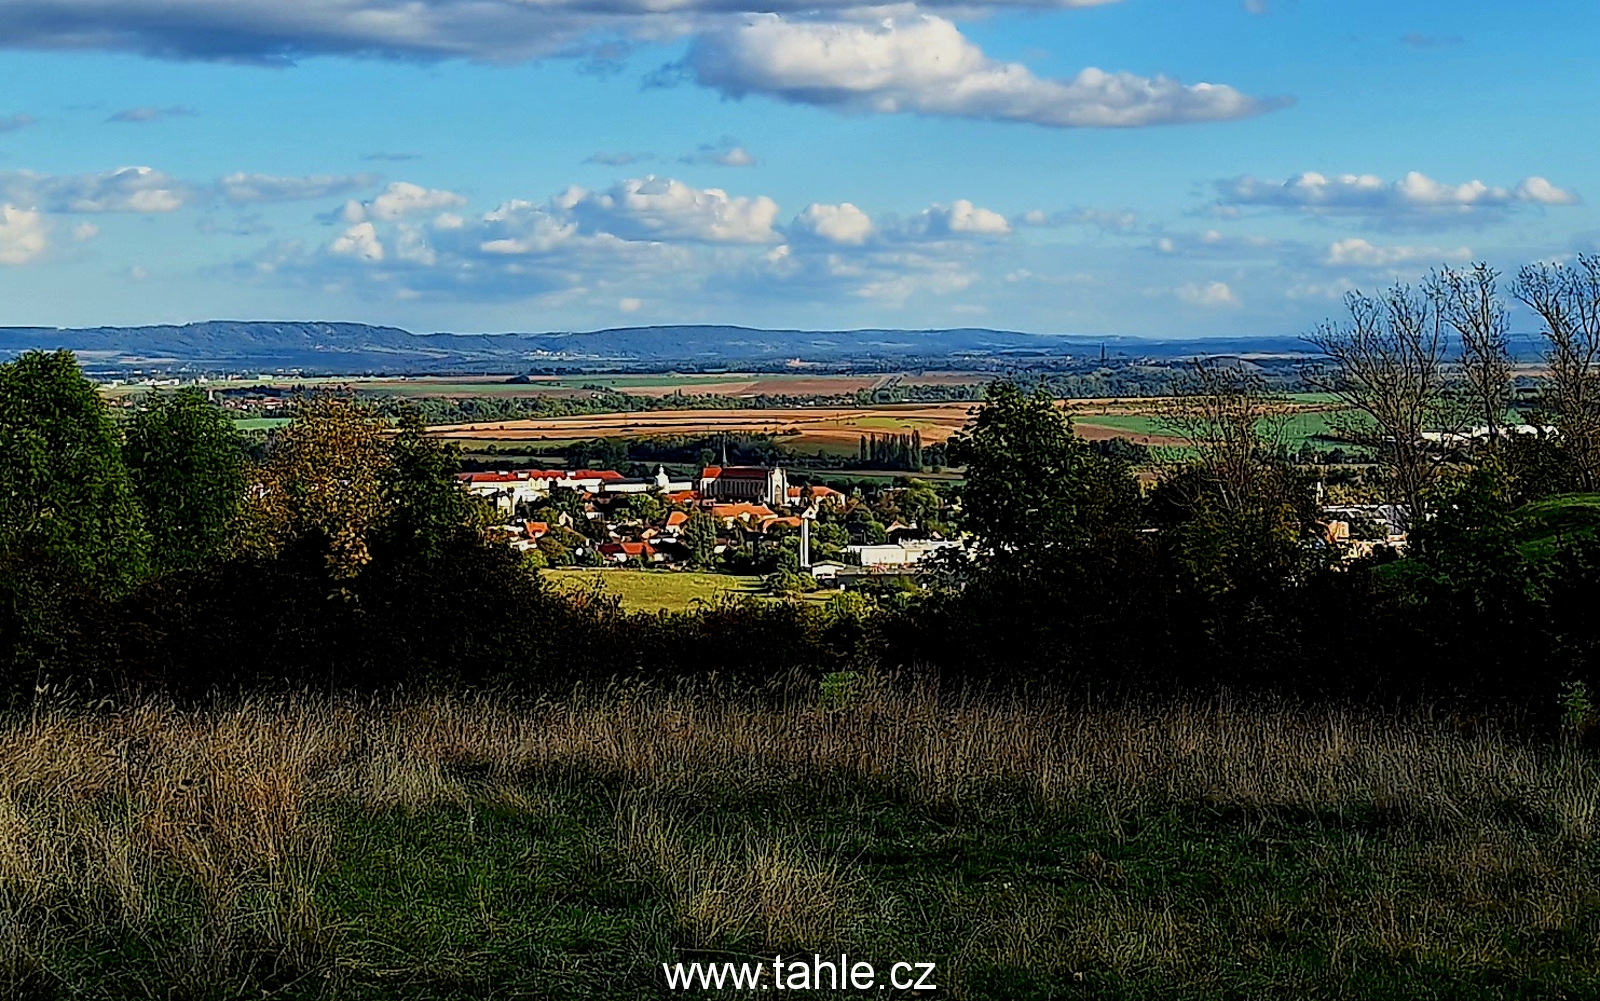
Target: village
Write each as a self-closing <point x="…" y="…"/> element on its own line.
<point x="751" y="517"/>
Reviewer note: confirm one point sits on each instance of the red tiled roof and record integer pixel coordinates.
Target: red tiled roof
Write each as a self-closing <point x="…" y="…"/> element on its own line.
<point x="740" y="510"/>
<point x="676" y="518"/>
<point x="736" y="472"/>
<point x="682" y="497"/>
<point x="627" y="548"/>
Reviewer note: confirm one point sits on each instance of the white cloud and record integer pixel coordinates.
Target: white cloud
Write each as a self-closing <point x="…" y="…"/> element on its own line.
<point x="1537" y="189"/>
<point x="629" y="305"/>
<point x="1414" y="196"/>
<point x="1359" y="253"/>
<point x="276" y="31"/>
<point x="127" y="189"/>
<point x="959" y="218"/>
<point x="1212" y="295"/>
<point x="23" y="236"/>
<point x="843" y="223"/>
<point x="652" y="208"/>
<point x="738" y="156"/>
<point x="84" y="231"/>
<point x="11" y="123"/>
<point x="923" y="64"/>
<point x="245" y="189"/>
<point x="1214" y="243"/>
<point x="400" y="199"/>
<point x="359" y="242"/>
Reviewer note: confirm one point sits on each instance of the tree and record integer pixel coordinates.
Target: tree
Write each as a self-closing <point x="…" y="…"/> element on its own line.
<point x="1386" y="363"/>
<point x="187" y="467"/>
<point x="67" y="505"/>
<point x="700" y="539"/>
<point x="323" y="483"/>
<point x="1566" y="298"/>
<point x="1036" y="495"/>
<point x="645" y="508"/>
<point x="1234" y="425"/>
<point x="1469" y="301"/>
<point x="426" y="509"/>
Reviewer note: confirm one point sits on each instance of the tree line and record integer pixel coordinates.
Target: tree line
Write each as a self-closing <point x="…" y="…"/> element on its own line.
<point x="157" y="553"/>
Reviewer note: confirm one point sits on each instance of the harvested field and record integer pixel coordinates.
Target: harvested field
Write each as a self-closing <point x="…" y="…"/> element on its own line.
<point x="807" y="426"/>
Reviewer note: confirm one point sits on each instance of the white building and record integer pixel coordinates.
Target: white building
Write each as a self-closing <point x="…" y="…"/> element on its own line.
<point x="899" y="555"/>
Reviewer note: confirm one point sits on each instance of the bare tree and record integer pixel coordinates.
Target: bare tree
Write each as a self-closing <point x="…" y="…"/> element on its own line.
<point x="1469" y="301"/>
<point x="1567" y="299"/>
<point x="1387" y="364"/>
<point x="1234" y="423"/>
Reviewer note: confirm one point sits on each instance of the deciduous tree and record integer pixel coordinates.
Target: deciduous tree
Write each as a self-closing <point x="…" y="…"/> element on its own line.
<point x="1566" y="298"/>
<point x="188" y="471"/>
<point x="1386" y="362"/>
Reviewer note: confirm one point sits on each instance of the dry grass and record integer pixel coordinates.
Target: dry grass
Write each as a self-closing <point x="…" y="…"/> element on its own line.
<point x="181" y="853"/>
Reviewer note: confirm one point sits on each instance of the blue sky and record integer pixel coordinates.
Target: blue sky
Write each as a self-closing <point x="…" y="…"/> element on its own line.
<point x="1147" y="167"/>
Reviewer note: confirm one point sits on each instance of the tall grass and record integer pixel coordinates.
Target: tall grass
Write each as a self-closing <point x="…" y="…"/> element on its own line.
<point x="175" y="852"/>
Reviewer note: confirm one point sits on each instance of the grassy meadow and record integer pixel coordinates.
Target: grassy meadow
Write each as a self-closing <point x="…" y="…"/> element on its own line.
<point x="664" y="590"/>
<point x="437" y="849"/>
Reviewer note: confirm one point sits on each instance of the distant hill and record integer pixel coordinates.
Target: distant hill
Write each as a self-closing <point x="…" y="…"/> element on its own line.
<point x="350" y="348"/>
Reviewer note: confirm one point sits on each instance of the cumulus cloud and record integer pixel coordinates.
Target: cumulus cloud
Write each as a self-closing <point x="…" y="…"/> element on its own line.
<point x="126" y="189"/>
<point x="646" y="240"/>
<point x="359" y="242"/>
<point x="11" y="123"/>
<point x="1211" y="295"/>
<point x="276" y="31"/>
<point x="23" y="235"/>
<point x="144" y="115"/>
<point x="922" y="64"/>
<point x="247" y="189"/>
<point x="1359" y="253"/>
<point x="653" y="208"/>
<point x="1414" y="197"/>
<point x="842" y="224"/>
<point x="400" y="199"/>
<point x="959" y="218"/>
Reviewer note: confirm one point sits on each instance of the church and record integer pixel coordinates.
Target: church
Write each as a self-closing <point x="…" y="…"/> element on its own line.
<point x="757" y="484"/>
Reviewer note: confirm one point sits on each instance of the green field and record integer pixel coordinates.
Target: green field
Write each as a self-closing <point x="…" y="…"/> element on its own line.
<point x="1299" y="428"/>
<point x="259" y="423"/>
<point x="665" y="590"/>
